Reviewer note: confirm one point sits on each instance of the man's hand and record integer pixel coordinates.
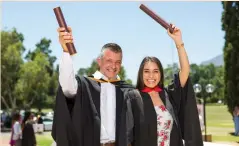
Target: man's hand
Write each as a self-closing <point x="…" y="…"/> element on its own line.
<point x="65" y="37"/>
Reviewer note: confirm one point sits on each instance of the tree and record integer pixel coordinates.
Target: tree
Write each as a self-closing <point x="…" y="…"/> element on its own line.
<point x="94" y="66"/>
<point x="208" y="74"/>
<point x="230" y="24"/>
<point x="203" y="75"/>
<point x="89" y="70"/>
<point x="43" y="47"/>
<point x="123" y="75"/>
<point x="33" y="85"/>
<point x="11" y="61"/>
<point x="169" y="73"/>
<point x="30" y="82"/>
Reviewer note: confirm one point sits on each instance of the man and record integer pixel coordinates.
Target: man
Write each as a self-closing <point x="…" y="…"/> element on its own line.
<point x="91" y="111"/>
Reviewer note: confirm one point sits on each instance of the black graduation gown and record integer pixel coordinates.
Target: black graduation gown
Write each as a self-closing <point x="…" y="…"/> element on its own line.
<point x="28" y="135"/>
<point x="183" y="107"/>
<point x="77" y="120"/>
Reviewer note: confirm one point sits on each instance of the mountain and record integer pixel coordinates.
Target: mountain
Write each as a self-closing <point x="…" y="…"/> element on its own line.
<point x="217" y="61"/>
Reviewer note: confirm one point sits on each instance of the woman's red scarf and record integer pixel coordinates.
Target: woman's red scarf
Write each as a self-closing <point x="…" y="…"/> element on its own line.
<point x="147" y="89"/>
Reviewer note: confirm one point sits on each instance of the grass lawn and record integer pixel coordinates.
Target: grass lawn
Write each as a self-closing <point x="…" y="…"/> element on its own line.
<point x="220" y="124"/>
<point x="44" y="139"/>
<point x="43" y="110"/>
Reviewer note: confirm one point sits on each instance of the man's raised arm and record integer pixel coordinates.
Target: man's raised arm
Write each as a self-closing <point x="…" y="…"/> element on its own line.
<point x="67" y="78"/>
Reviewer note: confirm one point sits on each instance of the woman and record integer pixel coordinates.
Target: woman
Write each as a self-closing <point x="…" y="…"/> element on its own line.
<point x="169" y="115"/>
<point x="16" y="135"/>
<point x="28" y="134"/>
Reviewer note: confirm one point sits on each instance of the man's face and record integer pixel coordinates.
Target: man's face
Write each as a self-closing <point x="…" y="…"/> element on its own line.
<point x="110" y="63"/>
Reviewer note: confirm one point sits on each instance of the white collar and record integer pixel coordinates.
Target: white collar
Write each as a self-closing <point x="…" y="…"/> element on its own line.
<point x="99" y="75"/>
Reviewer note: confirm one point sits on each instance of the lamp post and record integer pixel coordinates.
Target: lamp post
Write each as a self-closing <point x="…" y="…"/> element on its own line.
<point x="209" y="89"/>
<point x="197" y="88"/>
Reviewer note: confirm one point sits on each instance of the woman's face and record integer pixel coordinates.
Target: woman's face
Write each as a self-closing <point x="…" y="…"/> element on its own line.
<point x="151" y="74"/>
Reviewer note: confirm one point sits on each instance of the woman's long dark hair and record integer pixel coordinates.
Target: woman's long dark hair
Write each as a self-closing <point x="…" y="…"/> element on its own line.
<point x="27" y="115"/>
<point x="140" y="82"/>
<point x="16" y="116"/>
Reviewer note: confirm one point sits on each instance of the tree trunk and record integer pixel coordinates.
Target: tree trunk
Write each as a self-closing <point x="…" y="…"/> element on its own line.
<point x="5" y="103"/>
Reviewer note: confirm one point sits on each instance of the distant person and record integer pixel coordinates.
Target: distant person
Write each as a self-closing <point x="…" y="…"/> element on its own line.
<point x="200" y="114"/>
<point x="236" y="119"/>
<point x="28" y="134"/>
<point x="16" y="135"/>
<point x="3" y="117"/>
<point x="39" y="120"/>
<point x="8" y="121"/>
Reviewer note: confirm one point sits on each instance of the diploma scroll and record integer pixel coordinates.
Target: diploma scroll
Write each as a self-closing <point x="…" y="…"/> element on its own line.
<point x="156" y="17"/>
<point x="62" y="23"/>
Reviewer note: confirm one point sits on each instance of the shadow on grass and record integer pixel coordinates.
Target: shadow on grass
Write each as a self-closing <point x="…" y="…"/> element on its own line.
<point x="233" y="134"/>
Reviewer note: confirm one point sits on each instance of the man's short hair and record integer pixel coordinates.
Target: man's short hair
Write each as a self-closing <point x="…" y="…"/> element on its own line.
<point x="112" y="47"/>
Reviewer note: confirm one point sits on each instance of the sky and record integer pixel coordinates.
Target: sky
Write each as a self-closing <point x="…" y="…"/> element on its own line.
<point x="97" y="23"/>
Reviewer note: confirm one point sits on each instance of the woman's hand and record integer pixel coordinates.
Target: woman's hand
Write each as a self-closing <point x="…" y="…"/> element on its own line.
<point x="176" y="35"/>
